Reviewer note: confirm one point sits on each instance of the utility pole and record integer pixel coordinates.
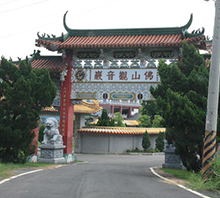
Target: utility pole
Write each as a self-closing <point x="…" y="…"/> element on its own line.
<point x="213" y="99"/>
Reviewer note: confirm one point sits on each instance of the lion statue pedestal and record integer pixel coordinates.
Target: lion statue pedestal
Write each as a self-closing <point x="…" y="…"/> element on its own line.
<point x="172" y="160"/>
<point x="52" y="145"/>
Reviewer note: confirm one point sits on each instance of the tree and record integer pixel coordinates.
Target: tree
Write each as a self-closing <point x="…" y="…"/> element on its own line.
<point x="158" y="121"/>
<point x="151" y="114"/>
<point x="182" y="95"/>
<point x="24" y="93"/>
<point x="144" y="121"/>
<point x="118" y="120"/>
<point x="150" y="108"/>
<point x="104" y="120"/>
<point x="160" y="141"/>
<point x="41" y="133"/>
<point x="146" y="141"/>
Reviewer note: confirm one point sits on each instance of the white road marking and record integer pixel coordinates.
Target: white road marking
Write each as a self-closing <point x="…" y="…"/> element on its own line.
<point x="181" y="186"/>
<point x="22" y="174"/>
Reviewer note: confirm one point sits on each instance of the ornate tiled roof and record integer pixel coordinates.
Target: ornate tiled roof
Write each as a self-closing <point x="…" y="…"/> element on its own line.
<point x="53" y="63"/>
<point x="50" y="109"/>
<point x="86" y="107"/>
<point x="83" y="107"/>
<point x="131" y="123"/>
<point x="122" y="38"/>
<point x="121" y="130"/>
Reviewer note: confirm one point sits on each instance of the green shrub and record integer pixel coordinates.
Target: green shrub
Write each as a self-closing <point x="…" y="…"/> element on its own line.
<point x="146" y="141"/>
<point x="160" y="141"/>
<point x="144" y="121"/>
<point x="41" y="133"/>
<point x="118" y="120"/>
<point x="105" y="120"/>
<point x="158" y="121"/>
<point x="211" y="184"/>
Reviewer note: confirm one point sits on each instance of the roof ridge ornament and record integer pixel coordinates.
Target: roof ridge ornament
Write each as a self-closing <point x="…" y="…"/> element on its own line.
<point x="195" y="33"/>
<point x="53" y="37"/>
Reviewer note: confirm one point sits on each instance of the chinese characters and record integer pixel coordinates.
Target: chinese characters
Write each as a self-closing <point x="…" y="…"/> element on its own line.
<point x="132" y="75"/>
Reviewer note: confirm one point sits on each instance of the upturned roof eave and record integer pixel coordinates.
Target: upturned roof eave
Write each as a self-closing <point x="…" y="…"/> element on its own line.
<point x="58" y="43"/>
<point x="116" y="32"/>
<point x="131" y="31"/>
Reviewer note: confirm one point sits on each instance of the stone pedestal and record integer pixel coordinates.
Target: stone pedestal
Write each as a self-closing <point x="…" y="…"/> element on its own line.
<point x="52" y="153"/>
<point x="172" y="160"/>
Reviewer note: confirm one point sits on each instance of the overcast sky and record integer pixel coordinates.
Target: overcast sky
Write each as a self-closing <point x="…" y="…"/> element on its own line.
<point x="20" y="20"/>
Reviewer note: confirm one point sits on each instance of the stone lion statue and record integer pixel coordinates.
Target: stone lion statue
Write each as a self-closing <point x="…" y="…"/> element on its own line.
<point x="51" y="132"/>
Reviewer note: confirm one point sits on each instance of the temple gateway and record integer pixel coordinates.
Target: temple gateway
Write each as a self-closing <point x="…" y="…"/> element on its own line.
<point x="115" y="66"/>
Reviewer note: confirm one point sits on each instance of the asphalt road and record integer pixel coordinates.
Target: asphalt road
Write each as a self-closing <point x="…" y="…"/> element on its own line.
<point x="98" y="176"/>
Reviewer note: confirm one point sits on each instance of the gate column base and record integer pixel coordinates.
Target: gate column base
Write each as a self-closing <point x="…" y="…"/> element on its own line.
<point x="69" y="158"/>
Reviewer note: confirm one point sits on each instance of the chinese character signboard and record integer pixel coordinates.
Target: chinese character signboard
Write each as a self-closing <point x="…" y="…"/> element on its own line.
<point x="115" y="75"/>
<point x="113" y="84"/>
<point x="124" y="75"/>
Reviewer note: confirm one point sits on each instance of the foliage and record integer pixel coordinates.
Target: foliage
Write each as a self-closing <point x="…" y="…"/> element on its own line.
<point x="146" y="141"/>
<point x="158" y="121"/>
<point x="105" y="120"/>
<point x="195" y="180"/>
<point x="182" y="96"/>
<point x="151" y="115"/>
<point x="182" y="174"/>
<point x="144" y="121"/>
<point x="150" y="108"/>
<point x="160" y="141"/>
<point x="25" y="91"/>
<point x="118" y="120"/>
<point x="41" y="134"/>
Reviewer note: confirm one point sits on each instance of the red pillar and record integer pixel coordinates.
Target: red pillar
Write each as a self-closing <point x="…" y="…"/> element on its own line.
<point x="121" y="108"/>
<point x="112" y="110"/>
<point x="66" y="109"/>
<point x="35" y="140"/>
<point x="130" y="110"/>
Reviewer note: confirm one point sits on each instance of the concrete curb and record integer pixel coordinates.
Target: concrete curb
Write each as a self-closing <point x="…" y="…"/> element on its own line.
<point x="179" y="185"/>
<point x="134" y="153"/>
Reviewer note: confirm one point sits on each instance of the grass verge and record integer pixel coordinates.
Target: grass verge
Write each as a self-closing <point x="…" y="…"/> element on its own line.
<point x="195" y="181"/>
<point x="6" y="170"/>
<point x="182" y="174"/>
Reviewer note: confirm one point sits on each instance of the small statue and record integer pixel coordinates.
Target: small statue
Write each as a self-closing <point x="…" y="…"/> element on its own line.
<point x="51" y="132"/>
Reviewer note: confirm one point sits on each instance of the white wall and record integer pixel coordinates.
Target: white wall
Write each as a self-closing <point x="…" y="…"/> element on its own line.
<point x="111" y="143"/>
